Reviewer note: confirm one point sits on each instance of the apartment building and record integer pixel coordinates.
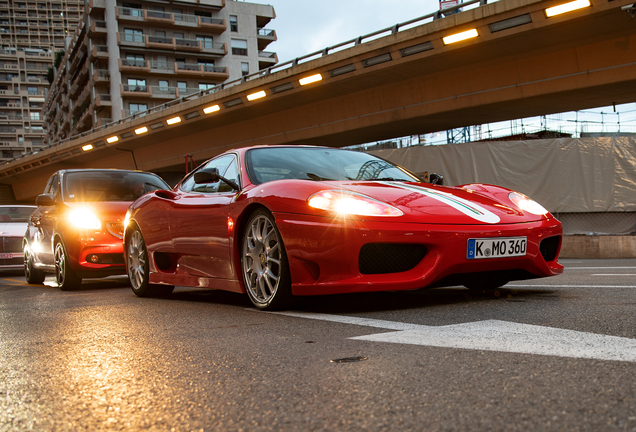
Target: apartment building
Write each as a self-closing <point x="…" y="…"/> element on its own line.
<point x="129" y="56"/>
<point x="31" y="32"/>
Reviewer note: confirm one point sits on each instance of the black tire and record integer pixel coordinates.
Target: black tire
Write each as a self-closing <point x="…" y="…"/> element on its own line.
<point x="65" y="276"/>
<point x="138" y="269"/>
<point x="32" y="275"/>
<point x="264" y="263"/>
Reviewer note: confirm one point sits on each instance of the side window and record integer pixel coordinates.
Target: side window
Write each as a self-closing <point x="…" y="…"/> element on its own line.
<point x="221" y="164"/>
<point x="231" y="174"/>
<point x="53" y="187"/>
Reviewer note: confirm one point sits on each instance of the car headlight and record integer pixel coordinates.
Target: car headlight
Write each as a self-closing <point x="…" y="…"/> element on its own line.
<point x="351" y="203"/>
<point x="127" y="219"/>
<point x="84" y="218"/>
<point x="526" y="204"/>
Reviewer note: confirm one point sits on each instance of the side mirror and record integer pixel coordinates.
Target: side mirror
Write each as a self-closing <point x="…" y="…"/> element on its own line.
<point x="207" y="175"/>
<point x="45" y="200"/>
<point x="437" y="179"/>
<point x="211" y="175"/>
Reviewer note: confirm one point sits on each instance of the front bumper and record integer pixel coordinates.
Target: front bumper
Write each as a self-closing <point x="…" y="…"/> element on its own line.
<point x="323" y="254"/>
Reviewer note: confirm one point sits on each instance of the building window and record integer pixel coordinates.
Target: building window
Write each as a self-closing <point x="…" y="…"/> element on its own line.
<point x="233" y="23"/>
<point x="162" y="61"/>
<point x="136" y="107"/>
<point x="245" y="68"/>
<point x="133" y="35"/>
<point x="138" y="85"/>
<point x="204" y="86"/>
<point x="160" y="33"/>
<point x="163" y="85"/>
<point x="35" y="116"/>
<point x="208" y="65"/>
<point x="239" y="47"/>
<point x="32" y="90"/>
<point x="182" y="86"/>
<point x="206" y="41"/>
<point x="178" y="35"/>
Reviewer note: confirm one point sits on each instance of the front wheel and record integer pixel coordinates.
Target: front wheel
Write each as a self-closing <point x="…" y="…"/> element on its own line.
<point x="31" y="274"/>
<point x="65" y="276"/>
<point x="138" y="269"/>
<point x="264" y="263"/>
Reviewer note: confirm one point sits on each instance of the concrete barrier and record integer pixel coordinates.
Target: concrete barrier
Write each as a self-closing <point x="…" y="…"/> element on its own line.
<point x="593" y="247"/>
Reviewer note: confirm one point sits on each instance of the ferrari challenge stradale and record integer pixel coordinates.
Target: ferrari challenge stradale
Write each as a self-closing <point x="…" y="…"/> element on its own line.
<point x="282" y="221"/>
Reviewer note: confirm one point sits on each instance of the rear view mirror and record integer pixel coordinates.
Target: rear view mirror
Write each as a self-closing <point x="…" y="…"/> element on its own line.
<point x="45" y="200"/>
<point x="207" y="175"/>
<point x="437" y="179"/>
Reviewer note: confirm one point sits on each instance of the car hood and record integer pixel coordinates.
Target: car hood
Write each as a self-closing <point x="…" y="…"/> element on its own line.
<point x="111" y="211"/>
<point x="12" y="229"/>
<point x="444" y="205"/>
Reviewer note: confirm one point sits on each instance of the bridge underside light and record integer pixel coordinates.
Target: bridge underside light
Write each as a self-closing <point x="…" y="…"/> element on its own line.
<point x="211" y="109"/>
<point x="112" y="139"/>
<point x="87" y="147"/>
<point x="458" y="37"/>
<point x="567" y="7"/>
<point x="257" y="95"/>
<point x="310" y="79"/>
<point x="141" y="130"/>
<point x="173" y="120"/>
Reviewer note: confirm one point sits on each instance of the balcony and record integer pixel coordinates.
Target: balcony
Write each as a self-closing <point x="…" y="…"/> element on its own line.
<point x="188" y="45"/>
<point x="131" y="39"/>
<point x="209" y="72"/>
<point x="213" y="25"/>
<point x="161" y="92"/>
<point x="129" y="14"/>
<point x="267" y="59"/>
<point x="160" y="42"/>
<point x="185" y="20"/>
<point x="98" y="52"/>
<point x="158" y="18"/>
<point x="101" y="76"/>
<point x="138" y="91"/>
<point x="265" y="37"/>
<point x="103" y="121"/>
<point x="214" y="48"/>
<point x="162" y="67"/>
<point x="128" y="65"/>
<point x="96" y="5"/>
<point x="97" y="28"/>
<point x="102" y="100"/>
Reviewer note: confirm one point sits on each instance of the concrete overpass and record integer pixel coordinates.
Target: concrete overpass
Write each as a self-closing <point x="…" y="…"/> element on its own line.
<point x="400" y="81"/>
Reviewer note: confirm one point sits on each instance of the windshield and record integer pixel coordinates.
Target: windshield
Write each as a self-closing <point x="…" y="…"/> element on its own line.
<point x="15" y="214"/>
<point x="112" y="185"/>
<point x="319" y="163"/>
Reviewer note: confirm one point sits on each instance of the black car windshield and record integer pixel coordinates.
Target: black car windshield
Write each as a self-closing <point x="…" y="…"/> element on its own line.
<point x="96" y="185"/>
<point x="319" y="163"/>
<point x="15" y="214"/>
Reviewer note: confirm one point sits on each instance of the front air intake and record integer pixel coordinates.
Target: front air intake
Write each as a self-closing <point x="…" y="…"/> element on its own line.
<point x="549" y="247"/>
<point x="379" y="258"/>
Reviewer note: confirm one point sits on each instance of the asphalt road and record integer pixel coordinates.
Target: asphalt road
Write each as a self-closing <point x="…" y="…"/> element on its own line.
<point x="542" y="355"/>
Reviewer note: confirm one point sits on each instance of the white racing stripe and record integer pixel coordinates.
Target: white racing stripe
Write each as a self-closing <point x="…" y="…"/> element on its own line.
<point x="466" y="207"/>
<point x="493" y="335"/>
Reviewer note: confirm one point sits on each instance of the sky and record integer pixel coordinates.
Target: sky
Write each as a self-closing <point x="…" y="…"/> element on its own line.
<point x="307" y="26"/>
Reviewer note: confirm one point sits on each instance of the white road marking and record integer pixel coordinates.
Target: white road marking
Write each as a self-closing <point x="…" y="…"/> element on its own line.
<point x="493" y="335"/>
<point x="614" y="274"/>
<point x="568" y="286"/>
<point x="599" y="268"/>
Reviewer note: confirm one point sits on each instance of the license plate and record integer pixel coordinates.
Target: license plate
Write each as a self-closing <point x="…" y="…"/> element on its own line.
<point x="6" y="255"/>
<point x="496" y="247"/>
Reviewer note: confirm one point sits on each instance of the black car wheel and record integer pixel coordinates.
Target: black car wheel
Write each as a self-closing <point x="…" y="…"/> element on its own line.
<point x="264" y="263"/>
<point x="138" y="269"/>
<point x="65" y="276"/>
<point x="31" y="274"/>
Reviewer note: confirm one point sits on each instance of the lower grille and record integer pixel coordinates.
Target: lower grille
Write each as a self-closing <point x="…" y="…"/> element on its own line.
<point x="11" y="244"/>
<point x="549" y="247"/>
<point x="378" y="258"/>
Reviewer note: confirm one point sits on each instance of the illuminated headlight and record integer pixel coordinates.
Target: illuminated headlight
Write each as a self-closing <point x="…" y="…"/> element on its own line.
<point x="350" y="203"/>
<point x="84" y="218"/>
<point x="526" y="204"/>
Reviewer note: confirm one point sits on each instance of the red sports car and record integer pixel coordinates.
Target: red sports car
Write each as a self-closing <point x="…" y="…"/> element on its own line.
<point x="77" y="229"/>
<point x="284" y="221"/>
